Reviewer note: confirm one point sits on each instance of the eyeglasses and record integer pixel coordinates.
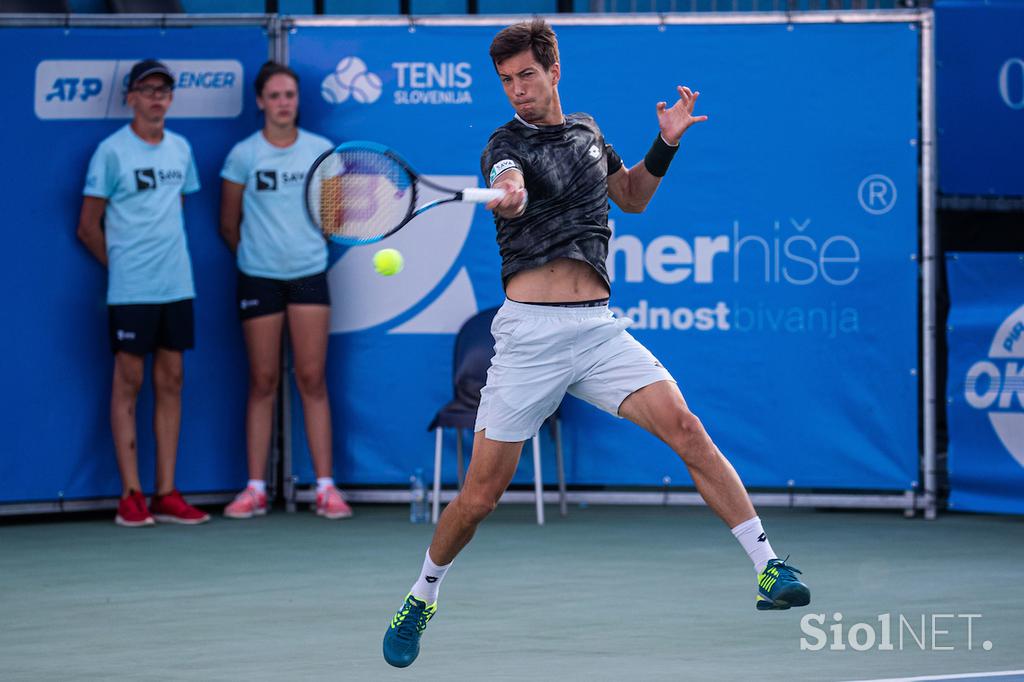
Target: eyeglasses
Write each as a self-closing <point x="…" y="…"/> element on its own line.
<point x="160" y="91"/>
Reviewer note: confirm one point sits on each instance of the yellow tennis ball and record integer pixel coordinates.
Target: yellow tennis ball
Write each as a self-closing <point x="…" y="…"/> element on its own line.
<point x="388" y="262"/>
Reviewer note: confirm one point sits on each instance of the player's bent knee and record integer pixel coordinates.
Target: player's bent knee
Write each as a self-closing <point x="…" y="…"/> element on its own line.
<point x="686" y="432"/>
<point x="476" y="508"/>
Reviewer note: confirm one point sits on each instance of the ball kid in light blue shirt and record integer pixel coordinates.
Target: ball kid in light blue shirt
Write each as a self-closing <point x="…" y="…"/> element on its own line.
<point x="278" y="241"/>
<point x="145" y="230"/>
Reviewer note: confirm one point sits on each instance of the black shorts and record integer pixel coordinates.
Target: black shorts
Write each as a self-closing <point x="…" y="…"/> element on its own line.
<point x="141" y="328"/>
<point x="259" y="296"/>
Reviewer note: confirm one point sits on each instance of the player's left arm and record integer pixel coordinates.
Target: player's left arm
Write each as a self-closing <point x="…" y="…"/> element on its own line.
<point x="632" y="188"/>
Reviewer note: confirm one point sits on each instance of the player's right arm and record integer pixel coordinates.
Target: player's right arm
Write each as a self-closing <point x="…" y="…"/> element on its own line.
<point x="90" y="227"/>
<point x="502" y="169"/>
<point x="231" y="213"/>
<point x="513" y="203"/>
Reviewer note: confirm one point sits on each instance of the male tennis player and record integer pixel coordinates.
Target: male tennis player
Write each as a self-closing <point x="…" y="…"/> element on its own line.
<point x="555" y="333"/>
<point x="135" y="185"/>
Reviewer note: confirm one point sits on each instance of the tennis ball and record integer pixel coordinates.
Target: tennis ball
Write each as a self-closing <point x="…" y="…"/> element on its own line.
<point x="388" y="262"/>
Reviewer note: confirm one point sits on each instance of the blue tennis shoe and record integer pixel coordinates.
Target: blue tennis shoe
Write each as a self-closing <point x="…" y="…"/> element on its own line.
<point x="402" y="640"/>
<point x="778" y="587"/>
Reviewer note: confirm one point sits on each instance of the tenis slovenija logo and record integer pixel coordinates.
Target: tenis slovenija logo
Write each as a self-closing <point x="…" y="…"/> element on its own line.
<point x="996" y="385"/>
<point x="351" y="78"/>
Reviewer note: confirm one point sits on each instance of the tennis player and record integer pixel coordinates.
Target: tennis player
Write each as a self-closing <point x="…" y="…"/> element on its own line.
<point x="282" y="263"/>
<point x="555" y="334"/>
<point x="135" y="186"/>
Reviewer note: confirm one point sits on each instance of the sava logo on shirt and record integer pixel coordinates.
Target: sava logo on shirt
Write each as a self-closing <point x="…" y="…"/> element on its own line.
<point x="150" y="178"/>
<point x="267" y="180"/>
<point x="145" y="178"/>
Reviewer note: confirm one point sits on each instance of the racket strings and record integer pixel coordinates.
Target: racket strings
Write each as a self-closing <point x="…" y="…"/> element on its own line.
<point x="360" y="194"/>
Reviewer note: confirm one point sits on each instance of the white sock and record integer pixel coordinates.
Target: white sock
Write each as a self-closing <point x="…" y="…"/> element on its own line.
<point x="257" y="485"/>
<point x="324" y="483"/>
<point x="429" y="584"/>
<point x="755" y="543"/>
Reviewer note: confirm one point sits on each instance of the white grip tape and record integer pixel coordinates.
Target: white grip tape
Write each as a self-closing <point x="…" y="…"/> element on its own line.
<point x="479" y="195"/>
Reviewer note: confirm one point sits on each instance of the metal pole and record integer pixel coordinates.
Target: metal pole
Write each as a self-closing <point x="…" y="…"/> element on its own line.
<point x="929" y="255"/>
<point x="436" y="502"/>
<point x="538" y="485"/>
<point x="287" y="452"/>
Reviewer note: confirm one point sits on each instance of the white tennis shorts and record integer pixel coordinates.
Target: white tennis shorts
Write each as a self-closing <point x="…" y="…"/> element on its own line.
<point x="543" y="352"/>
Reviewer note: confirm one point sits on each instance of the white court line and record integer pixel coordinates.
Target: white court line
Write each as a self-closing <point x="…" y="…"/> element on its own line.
<point x="962" y="676"/>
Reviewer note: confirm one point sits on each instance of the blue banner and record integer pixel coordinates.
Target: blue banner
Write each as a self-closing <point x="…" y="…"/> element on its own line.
<point x="66" y="95"/>
<point x="985" y="391"/>
<point x="980" y="96"/>
<point x="773" y="272"/>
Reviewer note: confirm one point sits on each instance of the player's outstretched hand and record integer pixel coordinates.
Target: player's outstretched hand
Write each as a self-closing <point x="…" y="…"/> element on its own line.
<point x="510" y="205"/>
<point x="674" y="120"/>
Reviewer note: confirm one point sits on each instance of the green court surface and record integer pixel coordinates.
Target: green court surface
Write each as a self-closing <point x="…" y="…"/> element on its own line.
<point x="609" y="593"/>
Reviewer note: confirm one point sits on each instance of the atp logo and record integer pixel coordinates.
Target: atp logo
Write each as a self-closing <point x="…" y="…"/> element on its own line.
<point x="145" y="179"/>
<point x="425" y="298"/>
<point x="351" y="78"/>
<point x="996" y="385"/>
<point x="69" y="89"/>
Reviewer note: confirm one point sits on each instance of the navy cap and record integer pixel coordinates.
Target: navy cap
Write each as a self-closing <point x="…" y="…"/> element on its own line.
<point x="146" y="68"/>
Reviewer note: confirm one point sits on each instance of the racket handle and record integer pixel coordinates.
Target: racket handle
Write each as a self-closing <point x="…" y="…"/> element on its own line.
<point x="478" y="195"/>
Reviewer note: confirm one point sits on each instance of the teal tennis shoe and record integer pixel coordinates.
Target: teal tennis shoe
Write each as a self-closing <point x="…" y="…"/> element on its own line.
<point x="402" y="640"/>
<point x="778" y="587"/>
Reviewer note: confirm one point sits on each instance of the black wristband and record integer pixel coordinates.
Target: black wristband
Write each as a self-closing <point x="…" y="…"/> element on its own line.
<point x="658" y="157"/>
<point x="613" y="158"/>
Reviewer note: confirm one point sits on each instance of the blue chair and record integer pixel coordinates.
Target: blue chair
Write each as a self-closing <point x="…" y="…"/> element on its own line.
<point x="474" y="348"/>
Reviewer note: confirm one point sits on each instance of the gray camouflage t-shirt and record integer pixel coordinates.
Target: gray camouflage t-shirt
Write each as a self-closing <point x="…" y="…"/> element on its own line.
<point x="565" y="168"/>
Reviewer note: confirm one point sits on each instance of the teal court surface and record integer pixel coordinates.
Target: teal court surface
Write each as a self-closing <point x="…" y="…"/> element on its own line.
<point x="608" y="593"/>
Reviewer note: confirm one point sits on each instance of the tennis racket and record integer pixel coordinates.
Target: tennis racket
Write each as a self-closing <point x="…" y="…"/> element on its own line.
<point x="361" y="192"/>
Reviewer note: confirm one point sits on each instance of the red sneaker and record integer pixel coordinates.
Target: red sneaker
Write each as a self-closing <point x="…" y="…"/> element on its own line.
<point x="172" y="508"/>
<point x="132" y="512"/>
<point x="332" y="505"/>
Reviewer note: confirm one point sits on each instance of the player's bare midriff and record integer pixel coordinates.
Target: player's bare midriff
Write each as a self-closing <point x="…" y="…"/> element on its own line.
<point x="563" y="280"/>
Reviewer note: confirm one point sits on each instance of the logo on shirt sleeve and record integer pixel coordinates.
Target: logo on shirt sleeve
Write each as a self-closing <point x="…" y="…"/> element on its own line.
<point x="499" y="168"/>
<point x="594" y="151"/>
<point x="266" y="180"/>
<point x="145" y="178"/>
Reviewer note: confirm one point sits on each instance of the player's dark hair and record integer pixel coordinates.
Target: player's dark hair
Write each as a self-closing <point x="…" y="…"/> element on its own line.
<point x="533" y="35"/>
<point x="268" y="71"/>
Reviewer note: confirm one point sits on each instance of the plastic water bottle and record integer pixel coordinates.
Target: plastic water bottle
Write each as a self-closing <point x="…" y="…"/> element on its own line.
<point x="417" y="498"/>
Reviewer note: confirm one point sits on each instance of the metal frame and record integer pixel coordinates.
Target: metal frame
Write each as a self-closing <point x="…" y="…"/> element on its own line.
<point x="929" y="256"/>
<point x="278" y="28"/>
<point x="906" y="501"/>
<point x="133" y="20"/>
<point x="922" y="17"/>
<point x="909" y="501"/>
<point x="271" y="24"/>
